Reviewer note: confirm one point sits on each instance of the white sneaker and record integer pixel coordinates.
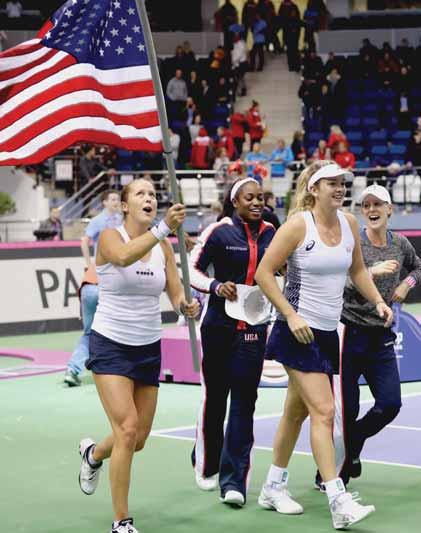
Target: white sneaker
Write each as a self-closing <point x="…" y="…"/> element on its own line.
<point x="346" y="510"/>
<point x="124" y="526"/>
<point x="233" y="497"/>
<point x="88" y="476"/>
<point x="207" y="483"/>
<point x="279" y="499"/>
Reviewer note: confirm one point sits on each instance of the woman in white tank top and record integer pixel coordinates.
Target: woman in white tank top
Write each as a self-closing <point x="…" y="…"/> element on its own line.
<point x="320" y="245"/>
<point x="134" y="265"/>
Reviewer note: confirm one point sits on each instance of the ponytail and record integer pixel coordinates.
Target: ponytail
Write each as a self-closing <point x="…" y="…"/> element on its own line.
<point x="304" y="200"/>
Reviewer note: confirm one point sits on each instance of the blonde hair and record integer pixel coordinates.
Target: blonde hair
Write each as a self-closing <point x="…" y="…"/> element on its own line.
<point x="304" y="200"/>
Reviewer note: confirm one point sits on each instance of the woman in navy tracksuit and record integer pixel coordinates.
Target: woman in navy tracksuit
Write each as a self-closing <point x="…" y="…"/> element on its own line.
<point x="233" y="351"/>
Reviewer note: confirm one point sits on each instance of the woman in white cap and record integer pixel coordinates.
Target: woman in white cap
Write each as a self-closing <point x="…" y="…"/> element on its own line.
<point x="233" y="349"/>
<point x="320" y="244"/>
<point x="368" y="346"/>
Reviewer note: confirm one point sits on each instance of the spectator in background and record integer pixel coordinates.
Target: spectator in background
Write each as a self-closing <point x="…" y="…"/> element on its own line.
<point x="322" y="152"/>
<point x="89" y="165"/>
<point x="309" y="92"/>
<point x="248" y="16"/>
<point x="280" y="158"/>
<point x="269" y="214"/>
<point x="314" y="14"/>
<point x="239" y="59"/>
<point x="405" y="53"/>
<point x="404" y="80"/>
<point x="222" y="91"/>
<point x="297" y="147"/>
<point x="255" y="122"/>
<point x="369" y="49"/>
<point x="337" y="94"/>
<point x="344" y="157"/>
<point x="51" y="229"/>
<point x="177" y="61"/>
<point x="290" y="21"/>
<point x="313" y="66"/>
<point x="403" y="110"/>
<point x="267" y="11"/>
<point x="225" y="17"/>
<point x="336" y="136"/>
<point x="175" y="144"/>
<point x="202" y="151"/>
<point x="259" y="40"/>
<point x="189" y="59"/>
<point x="387" y="69"/>
<point x="332" y="62"/>
<point x="195" y="127"/>
<point x="222" y="160"/>
<point x="177" y="93"/>
<point x="14" y="9"/>
<point x="193" y="86"/>
<point x="413" y="152"/>
<point x="207" y="101"/>
<point x="254" y="157"/>
<point x="238" y="131"/>
<point x="189" y="112"/>
<point x="224" y="140"/>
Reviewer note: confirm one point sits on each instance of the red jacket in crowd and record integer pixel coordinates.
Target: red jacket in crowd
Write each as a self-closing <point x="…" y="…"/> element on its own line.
<point x="200" y="150"/>
<point x="238" y="121"/>
<point x="255" y="124"/>
<point x="226" y="142"/>
<point x="345" y="159"/>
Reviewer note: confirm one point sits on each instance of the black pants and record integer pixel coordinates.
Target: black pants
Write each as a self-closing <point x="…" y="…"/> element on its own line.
<point x="259" y="51"/>
<point x="232" y="365"/>
<point x="368" y="352"/>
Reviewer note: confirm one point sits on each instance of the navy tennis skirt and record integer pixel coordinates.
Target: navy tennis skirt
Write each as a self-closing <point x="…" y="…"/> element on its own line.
<point x="322" y="355"/>
<point x="139" y="363"/>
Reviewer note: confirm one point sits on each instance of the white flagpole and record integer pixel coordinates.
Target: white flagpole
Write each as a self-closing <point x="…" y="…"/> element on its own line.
<point x="150" y="48"/>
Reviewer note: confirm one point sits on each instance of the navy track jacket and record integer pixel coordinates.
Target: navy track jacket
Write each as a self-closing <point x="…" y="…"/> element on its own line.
<point x="228" y="245"/>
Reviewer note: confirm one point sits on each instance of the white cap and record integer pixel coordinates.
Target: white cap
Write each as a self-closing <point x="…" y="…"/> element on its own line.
<point x="378" y="191"/>
<point x="333" y="170"/>
<point x="251" y="305"/>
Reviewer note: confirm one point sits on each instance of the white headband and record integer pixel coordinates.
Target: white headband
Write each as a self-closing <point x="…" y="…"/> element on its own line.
<point x="239" y="184"/>
<point x="328" y="171"/>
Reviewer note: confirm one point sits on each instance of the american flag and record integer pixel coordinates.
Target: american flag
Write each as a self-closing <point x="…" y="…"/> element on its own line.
<point x="86" y="77"/>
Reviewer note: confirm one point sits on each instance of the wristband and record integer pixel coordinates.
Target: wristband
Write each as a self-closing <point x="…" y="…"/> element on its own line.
<point x="160" y="231"/>
<point x="411" y="281"/>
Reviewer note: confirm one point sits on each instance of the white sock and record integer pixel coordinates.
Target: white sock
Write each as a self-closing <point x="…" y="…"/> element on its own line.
<point x="334" y="487"/>
<point x="277" y="476"/>
<point x="93" y="463"/>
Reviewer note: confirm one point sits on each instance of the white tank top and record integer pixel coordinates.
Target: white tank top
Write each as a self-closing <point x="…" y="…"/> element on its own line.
<point x="128" y="308"/>
<point x="316" y="275"/>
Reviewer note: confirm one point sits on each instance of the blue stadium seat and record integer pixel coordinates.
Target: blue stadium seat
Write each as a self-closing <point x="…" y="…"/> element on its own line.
<point x="378" y="150"/>
<point x="368" y="110"/>
<point x="357" y="150"/>
<point x="387" y="95"/>
<point x="370" y="123"/>
<point x="353" y="111"/>
<point x="354" y="136"/>
<point x="397" y="149"/>
<point x="315" y="136"/>
<point x="221" y="111"/>
<point x="362" y="163"/>
<point x="370" y="96"/>
<point x="401" y="135"/>
<point x="355" y="96"/>
<point x="379" y="135"/>
<point x="352" y="123"/>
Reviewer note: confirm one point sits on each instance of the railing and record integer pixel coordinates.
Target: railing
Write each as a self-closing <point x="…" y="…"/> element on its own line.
<point x="17" y="230"/>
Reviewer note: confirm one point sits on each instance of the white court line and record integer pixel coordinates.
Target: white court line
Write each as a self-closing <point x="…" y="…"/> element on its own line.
<point x="163" y="433"/>
<point x="157" y="432"/>
<point x="410" y="428"/>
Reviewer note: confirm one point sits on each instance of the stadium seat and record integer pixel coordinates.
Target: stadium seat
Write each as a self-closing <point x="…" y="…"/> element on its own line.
<point x="352" y="123"/>
<point x="353" y="111"/>
<point x="209" y="191"/>
<point x="357" y="150"/>
<point x="377" y="137"/>
<point x="354" y="136"/>
<point x="378" y="150"/>
<point x="190" y="192"/>
<point x="397" y="149"/>
<point x="401" y="135"/>
<point x="407" y="189"/>
<point x="370" y="123"/>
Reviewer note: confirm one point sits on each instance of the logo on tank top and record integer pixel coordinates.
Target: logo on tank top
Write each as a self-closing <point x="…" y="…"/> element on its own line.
<point x="310" y="245"/>
<point x="145" y="272"/>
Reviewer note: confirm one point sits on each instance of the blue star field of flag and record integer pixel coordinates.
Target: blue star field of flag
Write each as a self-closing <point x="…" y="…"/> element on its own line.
<point x="105" y="33"/>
